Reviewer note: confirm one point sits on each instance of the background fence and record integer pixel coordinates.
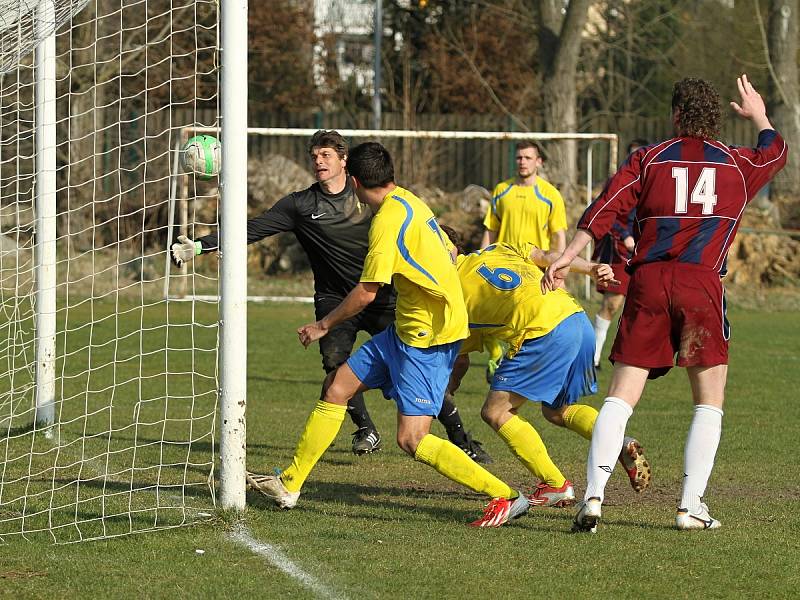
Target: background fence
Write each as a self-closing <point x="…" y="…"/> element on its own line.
<point x="453" y="164"/>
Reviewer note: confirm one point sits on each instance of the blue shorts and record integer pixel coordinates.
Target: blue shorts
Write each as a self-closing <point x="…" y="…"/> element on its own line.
<point x="556" y="369"/>
<point x="415" y="378"/>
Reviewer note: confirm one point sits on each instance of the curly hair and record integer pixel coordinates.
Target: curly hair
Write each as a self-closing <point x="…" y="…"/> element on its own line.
<point x="698" y="105"/>
<point x="455" y="238"/>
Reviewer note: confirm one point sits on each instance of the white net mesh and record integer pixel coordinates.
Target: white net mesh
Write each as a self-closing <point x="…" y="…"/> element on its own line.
<point x="136" y="384"/>
<point x="22" y="26"/>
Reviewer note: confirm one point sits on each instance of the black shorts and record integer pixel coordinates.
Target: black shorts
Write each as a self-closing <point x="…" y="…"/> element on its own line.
<point x="337" y="345"/>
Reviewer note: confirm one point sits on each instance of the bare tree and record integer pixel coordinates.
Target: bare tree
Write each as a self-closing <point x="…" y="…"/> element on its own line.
<point x="560" y="31"/>
<point x="784" y="91"/>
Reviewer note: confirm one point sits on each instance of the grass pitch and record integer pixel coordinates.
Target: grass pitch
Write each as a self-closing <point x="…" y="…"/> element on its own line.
<point x="383" y="526"/>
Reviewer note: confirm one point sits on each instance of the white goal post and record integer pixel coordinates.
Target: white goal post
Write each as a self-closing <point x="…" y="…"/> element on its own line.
<point x="112" y="398"/>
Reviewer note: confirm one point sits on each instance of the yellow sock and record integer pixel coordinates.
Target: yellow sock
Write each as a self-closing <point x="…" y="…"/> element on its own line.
<point x="580" y="418"/>
<point x="495" y="350"/>
<point x="527" y="445"/>
<point x="454" y="464"/>
<point x="321" y="428"/>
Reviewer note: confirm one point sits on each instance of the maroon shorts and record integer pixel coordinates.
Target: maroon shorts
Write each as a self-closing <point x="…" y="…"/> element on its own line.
<point x="621" y="275"/>
<point x="674" y="314"/>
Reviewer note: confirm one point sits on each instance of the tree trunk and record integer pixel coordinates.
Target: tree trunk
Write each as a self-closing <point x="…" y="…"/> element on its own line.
<point x="559" y="50"/>
<point x="784" y="91"/>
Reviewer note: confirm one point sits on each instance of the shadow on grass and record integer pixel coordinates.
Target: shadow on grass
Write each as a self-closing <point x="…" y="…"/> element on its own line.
<point x="16" y="431"/>
<point x="376" y="500"/>
<point x="353" y="494"/>
<point x="289" y="380"/>
<point x="408" y="501"/>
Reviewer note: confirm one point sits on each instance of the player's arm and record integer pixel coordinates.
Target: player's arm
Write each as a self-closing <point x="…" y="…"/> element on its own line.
<point x="627" y="237"/>
<point x="621" y="194"/>
<point x="277" y="219"/>
<point x="460" y="368"/>
<point x="489" y="237"/>
<point x="759" y="164"/>
<point x="558" y="240"/>
<point x="600" y="272"/>
<point x="557" y="222"/>
<point x="356" y="301"/>
<point x="491" y="222"/>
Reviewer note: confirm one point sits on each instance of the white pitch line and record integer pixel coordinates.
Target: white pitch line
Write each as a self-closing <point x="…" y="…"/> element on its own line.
<point x="275" y="556"/>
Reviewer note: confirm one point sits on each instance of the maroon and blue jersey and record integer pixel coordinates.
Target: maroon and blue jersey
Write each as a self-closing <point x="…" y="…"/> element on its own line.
<point x="611" y="248"/>
<point x="689" y="195"/>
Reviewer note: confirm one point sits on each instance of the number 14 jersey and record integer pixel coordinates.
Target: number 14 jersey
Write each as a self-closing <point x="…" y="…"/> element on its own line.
<point x="689" y="196"/>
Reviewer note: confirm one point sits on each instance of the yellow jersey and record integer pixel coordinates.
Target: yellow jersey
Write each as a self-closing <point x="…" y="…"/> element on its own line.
<point x="407" y="248"/>
<point x="504" y="300"/>
<point x="526" y="214"/>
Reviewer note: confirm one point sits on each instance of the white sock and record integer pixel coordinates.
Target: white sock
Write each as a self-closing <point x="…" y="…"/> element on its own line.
<point x="698" y="457"/>
<point x="600" y="333"/>
<point x="606" y="444"/>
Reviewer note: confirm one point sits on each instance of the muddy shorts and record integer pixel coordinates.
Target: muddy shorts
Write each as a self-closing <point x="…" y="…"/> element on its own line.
<point x="674" y="315"/>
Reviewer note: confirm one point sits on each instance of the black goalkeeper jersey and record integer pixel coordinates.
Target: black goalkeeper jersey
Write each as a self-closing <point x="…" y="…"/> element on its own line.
<point x="333" y="230"/>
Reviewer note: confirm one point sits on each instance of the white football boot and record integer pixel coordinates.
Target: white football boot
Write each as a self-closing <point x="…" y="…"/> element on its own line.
<point x="589" y="512"/>
<point x="699" y="519"/>
<point x="272" y="487"/>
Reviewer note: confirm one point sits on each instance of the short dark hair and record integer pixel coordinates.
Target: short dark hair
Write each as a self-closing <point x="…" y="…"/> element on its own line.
<point x="328" y="138"/>
<point x="637" y="143"/>
<point x="371" y="164"/>
<point x="699" y="112"/>
<point x="522" y="144"/>
<point x="455" y="237"/>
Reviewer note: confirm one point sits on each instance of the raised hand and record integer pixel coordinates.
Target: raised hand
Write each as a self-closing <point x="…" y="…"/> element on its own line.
<point x="752" y="104"/>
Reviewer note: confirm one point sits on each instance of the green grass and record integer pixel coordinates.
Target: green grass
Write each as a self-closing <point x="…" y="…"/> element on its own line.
<point x="383" y="526"/>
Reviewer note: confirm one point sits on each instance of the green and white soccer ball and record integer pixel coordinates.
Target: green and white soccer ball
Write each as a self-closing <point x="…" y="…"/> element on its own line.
<point x="202" y="155"/>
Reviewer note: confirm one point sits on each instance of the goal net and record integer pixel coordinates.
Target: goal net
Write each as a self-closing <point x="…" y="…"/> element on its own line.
<point x="108" y="391"/>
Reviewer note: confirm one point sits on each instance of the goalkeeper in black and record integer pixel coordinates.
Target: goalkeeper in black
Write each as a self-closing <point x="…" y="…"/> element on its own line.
<point x="333" y="227"/>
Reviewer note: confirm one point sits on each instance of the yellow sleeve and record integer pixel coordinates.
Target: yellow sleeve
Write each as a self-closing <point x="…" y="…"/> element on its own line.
<point x="382" y="252"/>
<point x="491" y="221"/>
<point x="558" y="216"/>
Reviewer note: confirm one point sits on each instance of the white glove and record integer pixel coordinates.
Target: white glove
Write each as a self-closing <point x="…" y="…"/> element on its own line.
<point x="184" y="250"/>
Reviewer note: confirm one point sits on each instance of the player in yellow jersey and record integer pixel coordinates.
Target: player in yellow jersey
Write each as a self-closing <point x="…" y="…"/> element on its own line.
<point x="409" y="361"/>
<point x="524" y="209"/>
<point x="551" y="347"/>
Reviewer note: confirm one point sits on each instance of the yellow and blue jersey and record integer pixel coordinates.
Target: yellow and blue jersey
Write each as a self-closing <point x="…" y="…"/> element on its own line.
<point x="407" y="248"/>
<point x="525" y="214"/>
<point x="504" y="299"/>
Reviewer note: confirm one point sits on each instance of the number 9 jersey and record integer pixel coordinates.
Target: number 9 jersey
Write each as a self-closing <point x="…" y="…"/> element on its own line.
<point x="689" y="196"/>
<point x="504" y="299"/>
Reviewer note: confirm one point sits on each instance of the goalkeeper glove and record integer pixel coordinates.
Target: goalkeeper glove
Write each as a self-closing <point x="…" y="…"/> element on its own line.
<point x="184" y="250"/>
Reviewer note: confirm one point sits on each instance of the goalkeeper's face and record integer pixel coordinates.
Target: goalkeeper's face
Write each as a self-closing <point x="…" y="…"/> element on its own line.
<point x="327" y="165"/>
